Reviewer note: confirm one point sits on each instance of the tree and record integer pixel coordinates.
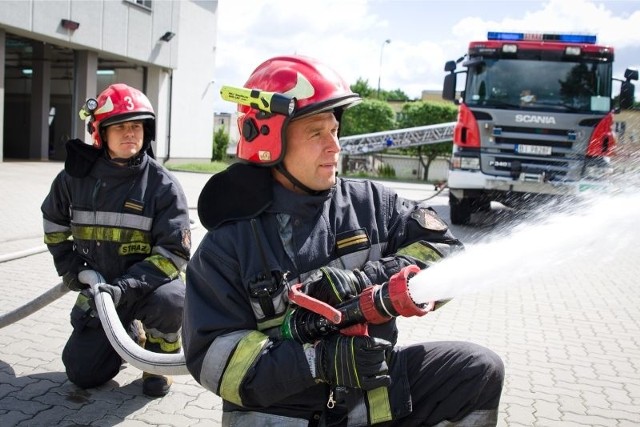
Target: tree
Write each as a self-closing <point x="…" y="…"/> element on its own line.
<point x="220" y="144"/>
<point x="422" y="113"/>
<point x="369" y="116"/>
<point x="362" y="88"/>
<point x="396" y="95"/>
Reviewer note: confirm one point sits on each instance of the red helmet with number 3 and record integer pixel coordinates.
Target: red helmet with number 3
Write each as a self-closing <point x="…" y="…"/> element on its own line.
<point x="116" y="104"/>
<point x="316" y="88"/>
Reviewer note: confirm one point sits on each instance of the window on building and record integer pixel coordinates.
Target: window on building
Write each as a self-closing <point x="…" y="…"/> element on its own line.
<point x="143" y="3"/>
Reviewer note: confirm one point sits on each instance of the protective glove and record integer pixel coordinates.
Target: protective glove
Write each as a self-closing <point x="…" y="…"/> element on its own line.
<point x="334" y="285"/>
<point x="72" y="282"/>
<point x="350" y="361"/>
<point x="114" y="291"/>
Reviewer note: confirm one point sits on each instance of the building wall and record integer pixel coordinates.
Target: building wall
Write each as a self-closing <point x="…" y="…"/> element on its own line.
<point x="121" y="28"/>
<point x="193" y="94"/>
<point x="176" y="75"/>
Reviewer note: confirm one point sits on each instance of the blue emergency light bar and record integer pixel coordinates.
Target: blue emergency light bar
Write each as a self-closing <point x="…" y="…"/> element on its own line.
<point x="566" y="38"/>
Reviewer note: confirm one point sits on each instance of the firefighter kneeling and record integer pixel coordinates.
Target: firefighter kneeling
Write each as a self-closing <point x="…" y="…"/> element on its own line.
<point x="116" y="210"/>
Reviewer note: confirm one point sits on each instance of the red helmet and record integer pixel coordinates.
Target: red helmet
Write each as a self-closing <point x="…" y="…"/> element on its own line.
<point x="116" y="104"/>
<point x="316" y="88"/>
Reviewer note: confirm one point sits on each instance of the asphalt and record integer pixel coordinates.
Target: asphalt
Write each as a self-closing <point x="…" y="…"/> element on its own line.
<point x="570" y="338"/>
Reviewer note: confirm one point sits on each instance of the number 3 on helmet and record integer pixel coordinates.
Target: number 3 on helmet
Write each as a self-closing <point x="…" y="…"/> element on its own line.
<point x="316" y="87"/>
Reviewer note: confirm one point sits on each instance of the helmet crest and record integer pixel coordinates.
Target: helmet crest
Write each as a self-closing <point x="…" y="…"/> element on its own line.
<point x="315" y="87"/>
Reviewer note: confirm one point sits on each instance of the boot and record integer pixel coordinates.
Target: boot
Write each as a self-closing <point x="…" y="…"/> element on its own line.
<point x="154" y="385"/>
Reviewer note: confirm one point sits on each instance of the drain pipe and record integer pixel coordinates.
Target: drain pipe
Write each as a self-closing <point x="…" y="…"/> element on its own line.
<point x="130" y="351"/>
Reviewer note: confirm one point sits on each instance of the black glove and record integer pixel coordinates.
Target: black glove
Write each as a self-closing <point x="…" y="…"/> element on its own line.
<point x="352" y="361"/>
<point x="114" y="291"/>
<point x="334" y="285"/>
<point x="72" y="282"/>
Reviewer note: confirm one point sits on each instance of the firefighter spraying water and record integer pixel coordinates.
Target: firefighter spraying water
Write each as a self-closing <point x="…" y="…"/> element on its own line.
<point x="281" y="217"/>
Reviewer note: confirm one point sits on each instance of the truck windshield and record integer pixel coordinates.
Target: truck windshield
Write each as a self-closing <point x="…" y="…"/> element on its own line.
<point x="540" y="85"/>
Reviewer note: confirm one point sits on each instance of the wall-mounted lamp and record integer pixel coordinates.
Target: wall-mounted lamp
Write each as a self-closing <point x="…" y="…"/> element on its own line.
<point x="70" y="25"/>
<point x="167" y="36"/>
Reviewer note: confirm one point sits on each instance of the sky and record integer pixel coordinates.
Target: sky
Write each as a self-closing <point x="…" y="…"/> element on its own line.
<point x="350" y="35"/>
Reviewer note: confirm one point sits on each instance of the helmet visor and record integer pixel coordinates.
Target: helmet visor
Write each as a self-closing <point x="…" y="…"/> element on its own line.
<point x="126" y="118"/>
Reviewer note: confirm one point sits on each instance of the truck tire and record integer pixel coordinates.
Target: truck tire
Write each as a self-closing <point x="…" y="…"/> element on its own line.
<point x="459" y="210"/>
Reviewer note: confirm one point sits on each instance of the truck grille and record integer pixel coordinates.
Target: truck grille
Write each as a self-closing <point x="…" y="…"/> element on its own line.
<point x="500" y="158"/>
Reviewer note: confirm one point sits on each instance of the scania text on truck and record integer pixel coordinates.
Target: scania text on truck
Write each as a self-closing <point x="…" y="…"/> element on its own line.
<point x="535" y="119"/>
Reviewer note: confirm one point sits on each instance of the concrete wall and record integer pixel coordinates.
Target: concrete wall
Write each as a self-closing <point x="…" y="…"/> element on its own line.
<point x="191" y="132"/>
<point x="121" y="28"/>
<point x="176" y="76"/>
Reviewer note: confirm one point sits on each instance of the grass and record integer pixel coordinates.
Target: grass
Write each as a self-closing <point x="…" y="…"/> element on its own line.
<point x="215" y="167"/>
<point x="201" y="167"/>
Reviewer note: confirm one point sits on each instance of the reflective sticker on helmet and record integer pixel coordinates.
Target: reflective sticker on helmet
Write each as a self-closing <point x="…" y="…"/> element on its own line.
<point x="303" y="88"/>
<point x="106" y="108"/>
<point x="429" y="219"/>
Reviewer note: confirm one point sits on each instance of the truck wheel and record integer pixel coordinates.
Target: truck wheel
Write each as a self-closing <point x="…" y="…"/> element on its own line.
<point x="459" y="211"/>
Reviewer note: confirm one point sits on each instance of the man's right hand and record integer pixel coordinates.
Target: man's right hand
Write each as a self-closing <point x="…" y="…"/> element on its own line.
<point x="72" y="282"/>
<point x="352" y="361"/>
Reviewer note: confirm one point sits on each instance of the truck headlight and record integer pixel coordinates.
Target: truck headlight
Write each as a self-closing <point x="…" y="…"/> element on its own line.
<point x="472" y="163"/>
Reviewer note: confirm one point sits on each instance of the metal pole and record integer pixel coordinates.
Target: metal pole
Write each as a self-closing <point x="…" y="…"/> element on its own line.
<point x="387" y="41"/>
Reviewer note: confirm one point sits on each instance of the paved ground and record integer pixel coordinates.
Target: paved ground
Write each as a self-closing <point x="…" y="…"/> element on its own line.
<point x="570" y="336"/>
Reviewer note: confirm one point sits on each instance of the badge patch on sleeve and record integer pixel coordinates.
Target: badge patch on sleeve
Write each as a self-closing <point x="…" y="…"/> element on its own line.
<point x="352" y="241"/>
<point x="429" y="219"/>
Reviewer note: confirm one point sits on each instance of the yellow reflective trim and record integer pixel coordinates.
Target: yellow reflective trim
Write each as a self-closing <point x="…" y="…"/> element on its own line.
<point x="56" y="238"/>
<point x="110" y="234"/>
<point x="379" y="406"/>
<point x="166" y="346"/>
<point x="243" y="358"/>
<point x="165" y="265"/>
<point x="82" y="301"/>
<point x="420" y="251"/>
<point x="271" y="323"/>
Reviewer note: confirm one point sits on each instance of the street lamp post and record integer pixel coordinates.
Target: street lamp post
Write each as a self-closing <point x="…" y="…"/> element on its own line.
<point x="387" y="41"/>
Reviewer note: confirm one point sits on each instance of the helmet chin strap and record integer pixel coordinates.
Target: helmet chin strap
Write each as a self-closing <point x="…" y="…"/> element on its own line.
<point x="280" y="167"/>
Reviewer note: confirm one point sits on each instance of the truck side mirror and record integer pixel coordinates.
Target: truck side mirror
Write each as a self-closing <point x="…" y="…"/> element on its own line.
<point x="449" y="87"/>
<point x="627" y="93"/>
<point x="631" y="74"/>
<point x="450" y="66"/>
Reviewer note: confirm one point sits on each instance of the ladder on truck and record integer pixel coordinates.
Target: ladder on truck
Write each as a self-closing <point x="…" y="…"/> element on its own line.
<point x="400" y="138"/>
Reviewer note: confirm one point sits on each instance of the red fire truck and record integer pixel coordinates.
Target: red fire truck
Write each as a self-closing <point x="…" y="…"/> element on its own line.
<point x="535" y="119"/>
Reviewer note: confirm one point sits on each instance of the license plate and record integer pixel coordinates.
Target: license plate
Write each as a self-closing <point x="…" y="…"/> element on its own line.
<point x="540" y="150"/>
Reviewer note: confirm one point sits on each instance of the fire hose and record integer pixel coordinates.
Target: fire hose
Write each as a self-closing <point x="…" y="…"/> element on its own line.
<point x="130" y="351"/>
<point x="145" y="360"/>
<point x="308" y="320"/>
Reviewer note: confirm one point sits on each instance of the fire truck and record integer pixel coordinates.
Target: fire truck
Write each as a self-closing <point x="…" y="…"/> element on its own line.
<point x="535" y="119"/>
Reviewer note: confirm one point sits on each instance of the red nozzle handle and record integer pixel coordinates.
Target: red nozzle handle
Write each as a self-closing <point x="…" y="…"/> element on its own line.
<point x="322" y="308"/>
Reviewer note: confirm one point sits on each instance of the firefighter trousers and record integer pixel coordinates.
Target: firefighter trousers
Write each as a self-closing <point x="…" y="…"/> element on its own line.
<point x="88" y="356"/>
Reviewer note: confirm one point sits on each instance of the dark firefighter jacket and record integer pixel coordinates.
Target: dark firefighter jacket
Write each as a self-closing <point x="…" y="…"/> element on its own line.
<point x="229" y="344"/>
<point x="122" y="221"/>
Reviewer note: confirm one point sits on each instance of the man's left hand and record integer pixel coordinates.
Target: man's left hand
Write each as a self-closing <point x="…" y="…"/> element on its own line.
<point x="114" y="291"/>
<point x="334" y="285"/>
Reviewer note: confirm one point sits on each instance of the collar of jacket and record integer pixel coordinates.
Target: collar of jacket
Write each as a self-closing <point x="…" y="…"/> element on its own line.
<point x="104" y="168"/>
<point x="298" y="204"/>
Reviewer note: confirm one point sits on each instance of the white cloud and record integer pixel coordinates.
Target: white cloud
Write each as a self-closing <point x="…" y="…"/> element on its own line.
<point x="348" y="34"/>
